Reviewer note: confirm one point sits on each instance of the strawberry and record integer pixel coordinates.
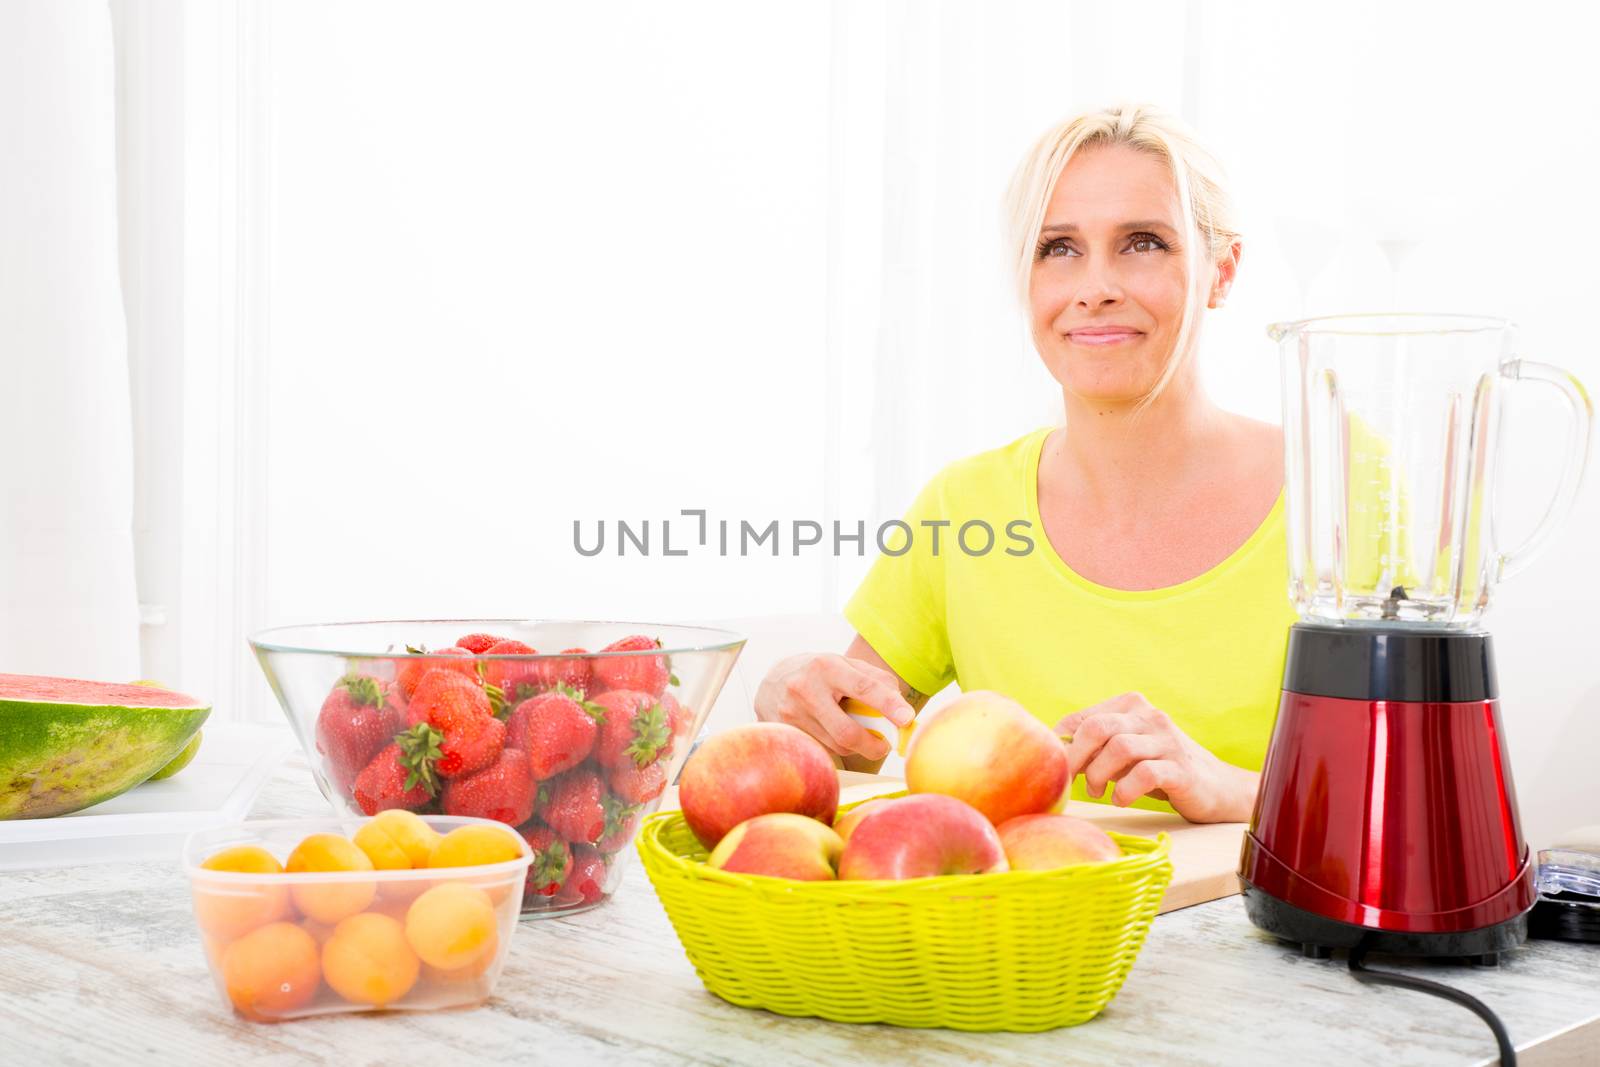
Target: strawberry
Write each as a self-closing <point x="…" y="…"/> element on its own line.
<point x="508" y="675"/>
<point x="552" y="860"/>
<point x="572" y="806"/>
<point x="557" y="730"/>
<point x="622" y="819"/>
<point x="470" y="737"/>
<point x="478" y="644"/>
<point x="409" y="672"/>
<point x="502" y="791"/>
<point x="587" y="882"/>
<point x="638" y="785"/>
<point x="572" y="673"/>
<point x="680" y="721"/>
<point x="647" y="674"/>
<point x="356" y="721"/>
<point x="397" y="777"/>
<point x="635" y="729"/>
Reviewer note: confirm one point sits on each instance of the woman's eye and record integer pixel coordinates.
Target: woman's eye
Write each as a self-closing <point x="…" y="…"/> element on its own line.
<point x="1147" y="242"/>
<point x="1055" y="248"/>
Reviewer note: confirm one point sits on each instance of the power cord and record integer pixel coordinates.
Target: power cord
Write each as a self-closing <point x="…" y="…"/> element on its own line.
<point x="1361" y="973"/>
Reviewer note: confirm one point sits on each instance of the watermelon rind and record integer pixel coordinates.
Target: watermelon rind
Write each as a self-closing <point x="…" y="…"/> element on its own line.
<point x="67" y="744"/>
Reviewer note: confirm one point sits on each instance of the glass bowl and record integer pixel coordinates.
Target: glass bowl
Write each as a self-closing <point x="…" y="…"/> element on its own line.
<point x="286" y="946"/>
<point x="568" y="731"/>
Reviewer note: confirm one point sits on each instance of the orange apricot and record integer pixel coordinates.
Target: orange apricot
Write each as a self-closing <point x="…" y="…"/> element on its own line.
<point x="475" y="846"/>
<point x="475" y="972"/>
<point x="328" y="902"/>
<point x="271" y="971"/>
<point x="226" y="909"/>
<point x="452" y="926"/>
<point x="397" y="840"/>
<point x="368" y="961"/>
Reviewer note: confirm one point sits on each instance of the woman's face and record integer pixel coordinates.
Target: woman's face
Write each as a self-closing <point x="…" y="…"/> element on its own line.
<point x="1107" y="290"/>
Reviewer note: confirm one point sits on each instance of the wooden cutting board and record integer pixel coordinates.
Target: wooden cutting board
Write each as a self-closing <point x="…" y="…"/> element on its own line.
<point x="1205" y="857"/>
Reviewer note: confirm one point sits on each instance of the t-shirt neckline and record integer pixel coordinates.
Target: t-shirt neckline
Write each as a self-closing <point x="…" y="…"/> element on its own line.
<point x="1030" y="494"/>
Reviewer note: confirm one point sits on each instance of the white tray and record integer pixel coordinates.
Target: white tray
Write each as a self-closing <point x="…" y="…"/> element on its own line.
<point x="151" y="821"/>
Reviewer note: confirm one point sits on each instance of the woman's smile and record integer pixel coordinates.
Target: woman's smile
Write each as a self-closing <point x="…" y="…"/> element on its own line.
<point x="1102" y="336"/>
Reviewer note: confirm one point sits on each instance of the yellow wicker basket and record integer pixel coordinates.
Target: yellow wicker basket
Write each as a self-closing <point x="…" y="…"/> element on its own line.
<point x="1025" y="950"/>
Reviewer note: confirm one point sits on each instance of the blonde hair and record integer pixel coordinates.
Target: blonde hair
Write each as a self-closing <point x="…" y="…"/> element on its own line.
<point x="1197" y="175"/>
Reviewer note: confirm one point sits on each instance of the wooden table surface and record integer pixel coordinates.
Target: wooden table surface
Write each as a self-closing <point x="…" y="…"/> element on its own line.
<point x="102" y="965"/>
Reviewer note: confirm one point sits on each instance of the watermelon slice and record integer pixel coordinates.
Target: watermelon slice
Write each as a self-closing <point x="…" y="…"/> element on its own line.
<point x="67" y="744"/>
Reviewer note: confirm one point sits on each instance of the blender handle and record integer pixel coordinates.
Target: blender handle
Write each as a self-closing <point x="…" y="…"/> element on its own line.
<point x="1572" y="467"/>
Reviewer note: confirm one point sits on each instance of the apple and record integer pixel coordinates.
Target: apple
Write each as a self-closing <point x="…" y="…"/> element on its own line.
<point x="987" y="750"/>
<point x="1045" y="842"/>
<point x="847" y="821"/>
<point x="756" y="769"/>
<point x="780" y="845"/>
<point x="921" y="836"/>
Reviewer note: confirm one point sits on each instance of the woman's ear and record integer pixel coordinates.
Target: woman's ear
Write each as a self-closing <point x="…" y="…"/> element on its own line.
<point x="1227" y="267"/>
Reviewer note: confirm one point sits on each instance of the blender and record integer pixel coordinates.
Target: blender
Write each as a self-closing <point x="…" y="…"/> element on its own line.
<point x="1387" y="817"/>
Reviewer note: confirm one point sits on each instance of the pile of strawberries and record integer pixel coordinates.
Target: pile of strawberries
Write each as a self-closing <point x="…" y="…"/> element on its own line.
<point x="568" y="750"/>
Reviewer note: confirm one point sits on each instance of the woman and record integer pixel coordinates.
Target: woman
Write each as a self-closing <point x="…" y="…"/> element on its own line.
<point x="1157" y="548"/>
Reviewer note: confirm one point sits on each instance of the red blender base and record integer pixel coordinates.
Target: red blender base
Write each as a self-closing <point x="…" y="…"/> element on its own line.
<point x="1386" y="815"/>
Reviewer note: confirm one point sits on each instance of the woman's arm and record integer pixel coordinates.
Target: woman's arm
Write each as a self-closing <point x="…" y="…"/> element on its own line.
<point x="1129" y="741"/>
<point x="805" y="690"/>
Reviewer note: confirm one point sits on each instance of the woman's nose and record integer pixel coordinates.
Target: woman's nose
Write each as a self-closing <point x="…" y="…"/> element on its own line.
<point x="1099" y="286"/>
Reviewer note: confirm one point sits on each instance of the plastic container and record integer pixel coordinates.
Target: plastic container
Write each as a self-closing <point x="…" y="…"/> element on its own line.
<point x="286" y="946"/>
<point x="350" y="692"/>
<point x="1023" y="950"/>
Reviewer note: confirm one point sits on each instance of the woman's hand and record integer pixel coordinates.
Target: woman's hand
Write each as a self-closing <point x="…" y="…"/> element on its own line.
<point x="1128" y="741"/>
<point x="805" y="690"/>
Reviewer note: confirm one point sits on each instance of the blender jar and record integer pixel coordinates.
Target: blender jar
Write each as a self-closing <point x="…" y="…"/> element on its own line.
<point x="1392" y="429"/>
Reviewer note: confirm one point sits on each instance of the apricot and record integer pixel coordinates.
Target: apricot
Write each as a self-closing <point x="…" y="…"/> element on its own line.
<point x="472" y="972"/>
<point x="452" y="926"/>
<point x="330" y="902"/>
<point x="368" y="961"/>
<point x="394" y="907"/>
<point x="271" y="971"/>
<point x="396" y="840"/>
<point x="475" y="846"/>
<point x="225" y="911"/>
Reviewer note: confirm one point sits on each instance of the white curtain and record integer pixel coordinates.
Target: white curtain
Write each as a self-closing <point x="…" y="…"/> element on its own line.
<point x="67" y="596"/>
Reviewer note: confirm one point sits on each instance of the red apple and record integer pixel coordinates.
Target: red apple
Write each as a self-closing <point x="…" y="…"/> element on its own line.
<point x="1045" y="842"/>
<point x="987" y="750"/>
<point x="756" y="769"/>
<point x="780" y="845"/>
<point x="921" y="836"/>
<point x="846" y="822"/>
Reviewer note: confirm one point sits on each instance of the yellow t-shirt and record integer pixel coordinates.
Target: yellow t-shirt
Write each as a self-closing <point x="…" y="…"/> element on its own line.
<point x="1018" y="620"/>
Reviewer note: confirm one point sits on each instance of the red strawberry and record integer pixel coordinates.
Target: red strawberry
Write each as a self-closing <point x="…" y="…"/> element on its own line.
<point x="571" y="805"/>
<point x="552" y="860"/>
<point x="680" y="721"/>
<point x="637" y="785"/>
<point x="355" y="722"/>
<point x="557" y="730"/>
<point x="508" y="675"/>
<point x="409" y="672"/>
<point x="502" y="791"/>
<point x="394" y="780"/>
<point x="470" y="737"/>
<point x="553" y="673"/>
<point x="622" y="819"/>
<point x="478" y="644"/>
<point x="647" y="674"/>
<point x="635" y="729"/>
<point x="587" y="882"/>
